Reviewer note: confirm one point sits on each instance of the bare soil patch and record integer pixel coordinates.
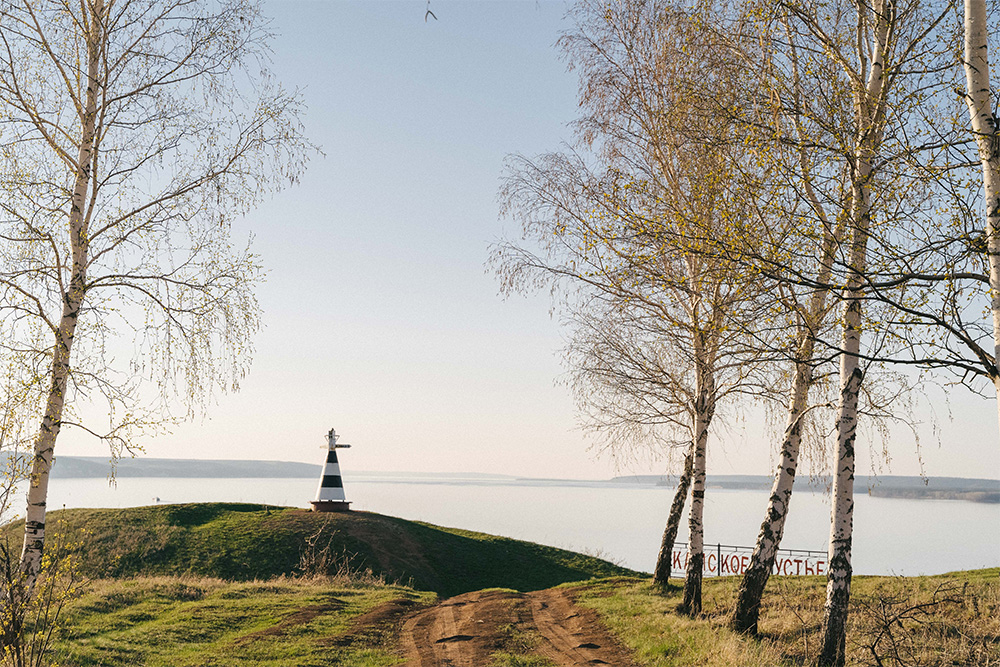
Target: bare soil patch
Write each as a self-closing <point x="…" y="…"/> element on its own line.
<point x="464" y="631"/>
<point x="573" y="635"/>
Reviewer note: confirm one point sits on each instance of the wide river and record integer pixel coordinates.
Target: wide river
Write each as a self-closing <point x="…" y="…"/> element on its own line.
<point x="619" y="522"/>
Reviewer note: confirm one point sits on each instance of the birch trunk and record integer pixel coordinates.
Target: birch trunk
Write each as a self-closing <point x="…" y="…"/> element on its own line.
<point x="703" y="411"/>
<point x="755" y="578"/>
<point x="72" y="297"/>
<point x="869" y="110"/>
<point x="661" y="574"/>
<point x="747" y="610"/>
<point x="984" y="126"/>
<point x="838" y="588"/>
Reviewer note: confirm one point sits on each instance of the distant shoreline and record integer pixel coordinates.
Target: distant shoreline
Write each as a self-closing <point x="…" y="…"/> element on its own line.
<point x="992" y="497"/>
<point x="885" y="486"/>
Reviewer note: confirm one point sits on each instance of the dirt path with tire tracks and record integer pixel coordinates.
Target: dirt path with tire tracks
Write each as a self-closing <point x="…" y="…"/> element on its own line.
<point x="464" y="631"/>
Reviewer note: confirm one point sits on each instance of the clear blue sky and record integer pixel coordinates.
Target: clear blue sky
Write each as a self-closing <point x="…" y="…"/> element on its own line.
<point x="380" y="317"/>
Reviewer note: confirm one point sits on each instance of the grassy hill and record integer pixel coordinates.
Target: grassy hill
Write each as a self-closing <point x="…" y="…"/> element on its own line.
<point x="241" y="542"/>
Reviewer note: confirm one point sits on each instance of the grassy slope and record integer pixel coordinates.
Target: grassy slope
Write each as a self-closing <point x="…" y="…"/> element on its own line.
<point x="245" y="542"/>
<point x="196" y="621"/>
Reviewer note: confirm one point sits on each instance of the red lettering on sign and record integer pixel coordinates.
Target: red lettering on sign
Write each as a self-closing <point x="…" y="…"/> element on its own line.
<point x="717" y="564"/>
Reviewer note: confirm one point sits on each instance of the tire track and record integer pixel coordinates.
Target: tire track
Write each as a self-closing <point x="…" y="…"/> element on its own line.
<point x="464" y="631"/>
<point x="459" y="632"/>
<point x="573" y="636"/>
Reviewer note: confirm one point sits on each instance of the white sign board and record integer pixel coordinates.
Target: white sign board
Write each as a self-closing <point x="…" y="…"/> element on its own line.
<point x="726" y="561"/>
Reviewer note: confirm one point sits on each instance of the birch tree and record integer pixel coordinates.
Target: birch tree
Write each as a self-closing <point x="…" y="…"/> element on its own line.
<point x="653" y="354"/>
<point x="633" y="233"/>
<point x="640" y="58"/>
<point x="881" y="52"/>
<point x="826" y="91"/>
<point x="791" y="114"/>
<point x="134" y="133"/>
<point x="946" y="317"/>
<point x="980" y="100"/>
<point x="658" y="369"/>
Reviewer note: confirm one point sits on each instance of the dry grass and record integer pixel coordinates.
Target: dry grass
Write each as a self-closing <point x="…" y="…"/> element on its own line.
<point x="951" y="619"/>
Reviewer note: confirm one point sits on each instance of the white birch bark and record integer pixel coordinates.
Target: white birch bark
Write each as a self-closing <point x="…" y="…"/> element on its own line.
<point x="747" y="609"/>
<point x="984" y="126"/>
<point x="838" y="589"/>
<point x="755" y="578"/>
<point x="704" y="409"/>
<point x="691" y="603"/>
<point x="662" y="571"/>
<point x="869" y="116"/>
<point x="73" y="297"/>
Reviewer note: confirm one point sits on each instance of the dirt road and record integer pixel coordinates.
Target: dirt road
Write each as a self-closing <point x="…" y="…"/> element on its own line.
<point x="464" y="631"/>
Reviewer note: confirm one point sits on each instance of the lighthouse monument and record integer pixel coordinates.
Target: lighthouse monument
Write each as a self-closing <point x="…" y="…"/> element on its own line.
<point x="330" y="495"/>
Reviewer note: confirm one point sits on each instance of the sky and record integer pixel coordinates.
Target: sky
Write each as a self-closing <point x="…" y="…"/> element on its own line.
<point x="381" y="318"/>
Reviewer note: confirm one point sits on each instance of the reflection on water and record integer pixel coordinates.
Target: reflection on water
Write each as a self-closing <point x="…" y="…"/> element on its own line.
<point x="616" y="521"/>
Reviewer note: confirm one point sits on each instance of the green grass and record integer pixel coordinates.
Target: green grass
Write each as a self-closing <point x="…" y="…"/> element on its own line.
<point x="961" y="625"/>
<point x="241" y="542"/>
<point x="209" y="584"/>
<point x="646" y="621"/>
<point x="195" y="621"/>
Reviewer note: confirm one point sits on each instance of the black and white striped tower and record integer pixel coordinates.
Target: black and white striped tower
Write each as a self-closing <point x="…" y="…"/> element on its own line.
<point x="330" y="495"/>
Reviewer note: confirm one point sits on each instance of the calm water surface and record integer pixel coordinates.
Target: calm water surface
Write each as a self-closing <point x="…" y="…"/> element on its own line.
<point x="622" y="523"/>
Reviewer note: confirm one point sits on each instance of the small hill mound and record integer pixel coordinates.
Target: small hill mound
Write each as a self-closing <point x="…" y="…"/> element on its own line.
<point x="242" y="542"/>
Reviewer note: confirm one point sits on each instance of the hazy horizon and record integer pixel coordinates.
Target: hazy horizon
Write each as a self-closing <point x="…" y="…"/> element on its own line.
<point x="505" y="475"/>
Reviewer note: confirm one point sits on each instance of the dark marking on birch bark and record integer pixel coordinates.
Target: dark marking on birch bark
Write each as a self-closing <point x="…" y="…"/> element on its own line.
<point x="662" y="571"/>
<point x="833" y="653"/>
<point x="691" y="605"/>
